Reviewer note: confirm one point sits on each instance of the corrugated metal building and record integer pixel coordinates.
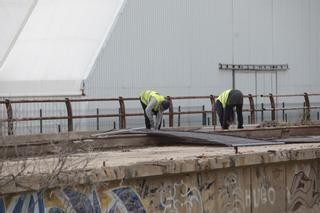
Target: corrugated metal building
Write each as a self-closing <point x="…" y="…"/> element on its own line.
<point x="111" y="48"/>
<point x="176" y="46"/>
<point x="117" y="47"/>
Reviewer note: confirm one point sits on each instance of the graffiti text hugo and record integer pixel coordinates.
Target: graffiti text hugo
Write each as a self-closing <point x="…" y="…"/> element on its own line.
<point x="262" y="195"/>
<point x="235" y="199"/>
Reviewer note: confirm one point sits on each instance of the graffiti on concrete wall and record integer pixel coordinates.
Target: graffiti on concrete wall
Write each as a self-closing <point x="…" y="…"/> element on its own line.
<point x="226" y="192"/>
<point x="69" y="199"/>
<point x="125" y="200"/>
<point x="180" y="198"/>
<point x="262" y="195"/>
<point x="234" y="198"/>
<point x="304" y="190"/>
<point x="231" y="194"/>
<point x="30" y="202"/>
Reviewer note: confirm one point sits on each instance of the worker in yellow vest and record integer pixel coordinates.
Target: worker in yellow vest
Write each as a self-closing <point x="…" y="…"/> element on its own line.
<point x="153" y="104"/>
<point x="225" y="104"/>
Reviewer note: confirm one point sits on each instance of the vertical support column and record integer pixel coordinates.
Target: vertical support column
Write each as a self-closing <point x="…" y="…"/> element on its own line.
<point x="273" y="108"/>
<point x="283" y="108"/>
<point x="9" y="116"/>
<point x="179" y="116"/>
<point x="307" y="111"/>
<point x="40" y="120"/>
<point x="204" y="116"/>
<point x="213" y="109"/>
<point x="233" y="78"/>
<point x="69" y="112"/>
<point x="122" y="114"/>
<point x="98" y="122"/>
<point x="262" y="109"/>
<point x="252" y="110"/>
<point x="171" y="115"/>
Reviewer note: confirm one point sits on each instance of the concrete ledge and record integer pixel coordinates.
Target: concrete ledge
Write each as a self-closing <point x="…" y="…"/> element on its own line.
<point x="278" y="178"/>
<point x="37" y="173"/>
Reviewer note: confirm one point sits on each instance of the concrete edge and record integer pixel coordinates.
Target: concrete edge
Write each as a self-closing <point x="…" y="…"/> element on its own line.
<point x="37" y="182"/>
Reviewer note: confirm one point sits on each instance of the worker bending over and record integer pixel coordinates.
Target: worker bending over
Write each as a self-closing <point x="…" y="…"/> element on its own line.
<point x="153" y="104"/>
<point x="225" y="104"/>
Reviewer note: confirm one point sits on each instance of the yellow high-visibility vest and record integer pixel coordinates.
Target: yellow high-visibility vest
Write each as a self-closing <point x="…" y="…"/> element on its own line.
<point x="146" y="95"/>
<point x="223" y="98"/>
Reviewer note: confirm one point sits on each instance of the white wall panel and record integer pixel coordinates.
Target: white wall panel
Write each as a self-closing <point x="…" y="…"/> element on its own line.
<point x="170" y="46"/>
<point x="253" y="42"/>
<point x="314" y="46"/>
<point x="175" y="47"/>
<point x="293" y="30"/>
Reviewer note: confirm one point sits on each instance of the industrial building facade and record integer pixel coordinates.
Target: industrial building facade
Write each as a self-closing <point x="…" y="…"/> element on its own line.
<point x="176" y="46"/>
<point x="94" y="49"/>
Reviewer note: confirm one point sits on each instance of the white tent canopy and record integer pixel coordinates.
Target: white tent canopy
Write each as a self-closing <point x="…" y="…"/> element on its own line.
<point x="13" y="15"/>
<point x="57" y="47"/>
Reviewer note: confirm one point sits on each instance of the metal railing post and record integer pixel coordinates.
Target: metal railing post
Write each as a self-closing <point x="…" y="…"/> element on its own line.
<point x="98" y="122"/>
<point x="40" y="120"/>
<point x="171" y="115"/>
<point x="307" y="111"/>
<point x="273" y="108"/>
<point x="204" y="116"/>
<point x="122" y="114"/>
<point x="213" y="109"/>
<point x="252" y="109"/>
<point x="283" y="107"/>
<point x="69" y="112"/>
<point x="262" y="110"/>
<point x="9" y="116"/>
<point x="179" y="116"/>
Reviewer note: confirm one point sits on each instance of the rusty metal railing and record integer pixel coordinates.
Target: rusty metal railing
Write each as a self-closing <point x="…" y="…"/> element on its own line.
<point x="306" y="106"/>
<point x="122" y="115"/>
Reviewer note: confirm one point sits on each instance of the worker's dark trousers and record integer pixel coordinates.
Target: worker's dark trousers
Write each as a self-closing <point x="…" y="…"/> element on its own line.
<point x="220" y="111"/>
<point x="146" y="119"/>
<point x="226" y="116"/>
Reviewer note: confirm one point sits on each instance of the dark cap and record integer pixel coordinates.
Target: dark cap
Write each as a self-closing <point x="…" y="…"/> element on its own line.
<point x="165" y="104"/>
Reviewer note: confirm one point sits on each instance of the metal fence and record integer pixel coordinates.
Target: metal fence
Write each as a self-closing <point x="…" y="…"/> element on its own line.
<point x="71" y="112"/>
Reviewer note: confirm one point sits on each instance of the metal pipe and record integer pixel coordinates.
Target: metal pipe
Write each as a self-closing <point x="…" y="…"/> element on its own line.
<point x="69" y="113"/>
<point x="273" y="111"/>
<point x="171" y="114"/>
<point x="9" y="116"/>
<point x="40" y="120"/>
<point x="98" y="123"/>
<point x="179" y="116"/>
<point x="122" y="114"/>
<point x="252" y="109"/>
<point x="204" y="116"/>
<point x="262" y="109"/>
<point x="283" y="111"/>
<point x="307" y="110"/>
<point x="213" y="109"/>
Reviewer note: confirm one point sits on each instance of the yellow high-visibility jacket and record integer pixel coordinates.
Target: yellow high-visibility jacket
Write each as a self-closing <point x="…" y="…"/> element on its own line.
<point x="223" y="98"/>
<point x="145" y="97"/>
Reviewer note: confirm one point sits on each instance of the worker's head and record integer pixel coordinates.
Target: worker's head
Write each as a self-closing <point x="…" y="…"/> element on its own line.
<point x="165" y="104"/>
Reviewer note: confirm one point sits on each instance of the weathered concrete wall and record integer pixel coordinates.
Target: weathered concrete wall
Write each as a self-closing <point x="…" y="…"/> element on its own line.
<point x="289" y="186"/>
